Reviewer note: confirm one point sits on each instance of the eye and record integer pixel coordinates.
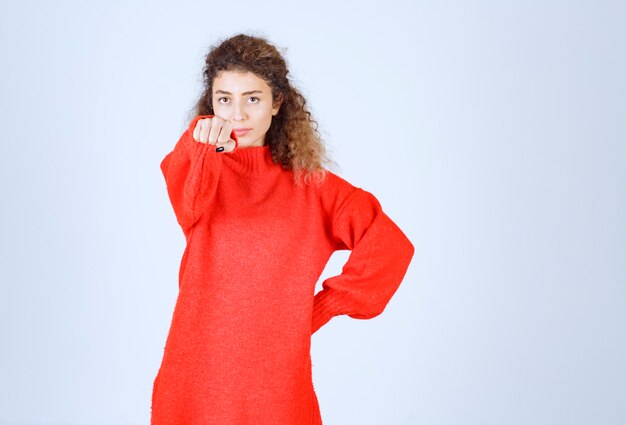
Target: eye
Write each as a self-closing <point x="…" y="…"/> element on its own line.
<point x="220" y="99"/>
<point x="254" y="97"/>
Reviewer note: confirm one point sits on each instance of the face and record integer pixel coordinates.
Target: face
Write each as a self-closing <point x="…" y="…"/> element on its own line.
<point x="245" y="99"/>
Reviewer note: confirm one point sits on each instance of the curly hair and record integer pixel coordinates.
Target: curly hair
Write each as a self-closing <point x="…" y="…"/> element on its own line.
<point x="293" y="136"/>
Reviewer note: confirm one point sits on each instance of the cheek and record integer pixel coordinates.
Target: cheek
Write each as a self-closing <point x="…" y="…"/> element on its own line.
<point x="263" y="116"/>
<point x="268" y="114"/>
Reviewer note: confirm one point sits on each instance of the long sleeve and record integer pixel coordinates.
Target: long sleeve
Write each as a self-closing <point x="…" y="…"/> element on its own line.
<point x="379" y="258"/>
<point x="191" y="172"/>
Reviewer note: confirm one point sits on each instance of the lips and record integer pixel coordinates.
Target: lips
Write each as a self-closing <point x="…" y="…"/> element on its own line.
<point x="241" y="131"/>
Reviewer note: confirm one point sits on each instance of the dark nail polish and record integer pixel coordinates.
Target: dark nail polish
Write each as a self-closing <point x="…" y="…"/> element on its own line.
<point x="220" y="149"/>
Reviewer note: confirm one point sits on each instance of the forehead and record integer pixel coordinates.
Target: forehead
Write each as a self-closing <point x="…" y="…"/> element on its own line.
<point x="239" y="82"/>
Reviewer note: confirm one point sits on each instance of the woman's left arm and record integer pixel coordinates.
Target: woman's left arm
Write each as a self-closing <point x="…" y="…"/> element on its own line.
<point x="381" y="254"/>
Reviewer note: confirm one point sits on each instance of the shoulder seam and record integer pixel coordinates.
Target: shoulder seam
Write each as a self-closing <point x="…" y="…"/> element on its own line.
<point x="345" y="203"/>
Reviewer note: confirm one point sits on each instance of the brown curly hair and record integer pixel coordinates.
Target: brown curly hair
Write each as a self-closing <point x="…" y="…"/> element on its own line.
<point x="293" y="136"/>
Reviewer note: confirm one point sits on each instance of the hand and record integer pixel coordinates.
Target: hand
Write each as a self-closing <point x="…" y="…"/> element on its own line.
<point x="215" y="131"/>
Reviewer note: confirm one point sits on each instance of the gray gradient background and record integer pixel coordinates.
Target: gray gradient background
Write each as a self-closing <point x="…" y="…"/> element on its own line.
<point x="493" y="133"/>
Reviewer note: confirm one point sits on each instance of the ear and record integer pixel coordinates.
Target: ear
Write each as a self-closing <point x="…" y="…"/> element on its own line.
<point x="277" y="104"/>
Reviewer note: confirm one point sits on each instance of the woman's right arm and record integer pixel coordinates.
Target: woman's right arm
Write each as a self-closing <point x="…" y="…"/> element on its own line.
<point x="191" y="173"/>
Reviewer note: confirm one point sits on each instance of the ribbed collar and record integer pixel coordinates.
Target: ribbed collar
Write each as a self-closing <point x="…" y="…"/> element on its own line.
<point x="252" y="159"/>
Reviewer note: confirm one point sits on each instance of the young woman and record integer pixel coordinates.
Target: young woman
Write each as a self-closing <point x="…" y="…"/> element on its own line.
<point x="261" y="216"/>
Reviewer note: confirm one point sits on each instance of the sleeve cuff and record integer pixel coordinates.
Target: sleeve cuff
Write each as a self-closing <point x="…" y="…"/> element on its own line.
<point x="326" y="304"/>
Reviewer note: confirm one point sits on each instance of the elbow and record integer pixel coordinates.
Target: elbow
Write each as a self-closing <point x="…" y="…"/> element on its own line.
<point x="401" y="244"/>
<point x="405" y="250"/>
<point x="409" y="251"/>
<point x="405" y="258"/>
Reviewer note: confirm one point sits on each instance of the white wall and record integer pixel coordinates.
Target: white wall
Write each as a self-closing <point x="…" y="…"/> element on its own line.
<point x="493" y="133"/>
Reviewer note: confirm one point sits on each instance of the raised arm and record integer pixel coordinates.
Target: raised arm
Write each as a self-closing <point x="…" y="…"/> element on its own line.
<point x="380" y="257"/>
<point x="191" y="172"/>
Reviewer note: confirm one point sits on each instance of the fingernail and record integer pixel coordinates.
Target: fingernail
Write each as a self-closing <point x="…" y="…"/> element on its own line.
<point x="220" y="149"/>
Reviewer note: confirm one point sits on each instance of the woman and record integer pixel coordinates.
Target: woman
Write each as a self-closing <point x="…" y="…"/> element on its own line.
<point x="261" y="216"/>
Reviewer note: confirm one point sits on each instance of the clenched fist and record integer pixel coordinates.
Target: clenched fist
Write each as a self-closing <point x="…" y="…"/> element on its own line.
<point x="215" y="131"/>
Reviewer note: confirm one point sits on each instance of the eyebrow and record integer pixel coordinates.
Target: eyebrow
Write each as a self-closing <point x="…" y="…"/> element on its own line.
<point x="244" y="93"/>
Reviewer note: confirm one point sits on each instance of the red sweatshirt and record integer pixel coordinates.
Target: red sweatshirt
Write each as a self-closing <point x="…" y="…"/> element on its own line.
<point x="238" y="348"/>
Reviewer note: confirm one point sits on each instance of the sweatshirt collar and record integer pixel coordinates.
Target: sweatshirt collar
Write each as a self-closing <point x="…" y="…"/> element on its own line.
<point x="251" y="159"/>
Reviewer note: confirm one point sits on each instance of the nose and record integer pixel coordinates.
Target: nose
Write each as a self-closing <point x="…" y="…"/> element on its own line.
<point x="238" y="113"/>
